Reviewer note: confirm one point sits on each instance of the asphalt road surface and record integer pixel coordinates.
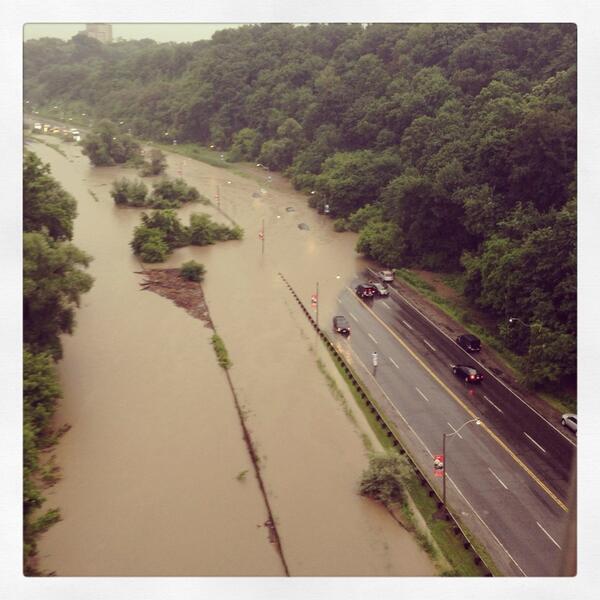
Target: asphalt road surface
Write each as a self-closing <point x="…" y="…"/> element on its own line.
<point x="507" y="478"/>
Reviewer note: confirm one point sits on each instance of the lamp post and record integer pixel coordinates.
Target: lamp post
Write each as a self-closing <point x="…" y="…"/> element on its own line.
<point x="477" y="421"/>
<point x="512" y="320"/>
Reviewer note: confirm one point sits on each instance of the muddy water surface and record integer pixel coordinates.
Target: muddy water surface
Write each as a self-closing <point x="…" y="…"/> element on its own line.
<point x="152" y="461"/>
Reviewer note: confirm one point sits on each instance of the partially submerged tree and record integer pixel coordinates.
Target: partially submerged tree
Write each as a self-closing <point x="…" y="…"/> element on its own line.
<point x="382" y="481"/>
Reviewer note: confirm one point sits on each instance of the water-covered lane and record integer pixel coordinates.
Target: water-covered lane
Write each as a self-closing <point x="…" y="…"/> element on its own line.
<point x="150" y="466"/>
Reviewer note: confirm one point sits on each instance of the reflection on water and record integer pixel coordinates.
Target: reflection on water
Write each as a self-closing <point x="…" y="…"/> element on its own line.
<point x="154" y="464"/>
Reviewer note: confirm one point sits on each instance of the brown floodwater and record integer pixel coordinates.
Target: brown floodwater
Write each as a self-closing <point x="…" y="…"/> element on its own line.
<point x="156" y="476"/>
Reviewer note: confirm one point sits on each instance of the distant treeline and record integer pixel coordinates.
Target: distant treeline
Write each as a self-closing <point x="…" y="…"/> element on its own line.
<point x="447" y="146"/>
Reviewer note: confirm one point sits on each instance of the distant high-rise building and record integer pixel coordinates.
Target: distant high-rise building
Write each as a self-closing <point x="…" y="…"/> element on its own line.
<point x="99" y="31"/>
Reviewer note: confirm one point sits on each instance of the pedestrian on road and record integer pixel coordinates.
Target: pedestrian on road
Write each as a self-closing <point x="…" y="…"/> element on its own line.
<point x="375" y="361"/>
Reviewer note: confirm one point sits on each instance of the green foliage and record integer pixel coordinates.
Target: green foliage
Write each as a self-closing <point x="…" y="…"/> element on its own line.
<point x="129" y="193"/>
<point x="203" y="231"/>
<point x="52" y="286"/>
<point x="193" y="271"/>
<point x="246" y="145"/>
<point x="155" y="165"/>
<point x="446" y="129"/>
<point x="174" y="192"/>
<point x="221" y="352"/>
<point x="46" y="206"/>
<point x="358" y="219"/>
<point x="382" y="481"/>
<point x="105" y="145"/>
<point x="381" y="241"/>
<point x="175" y="234"/>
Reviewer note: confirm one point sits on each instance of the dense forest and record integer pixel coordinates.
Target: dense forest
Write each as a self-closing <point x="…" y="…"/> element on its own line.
<point x="53" y="281"/>
<point x="447" y="146"/>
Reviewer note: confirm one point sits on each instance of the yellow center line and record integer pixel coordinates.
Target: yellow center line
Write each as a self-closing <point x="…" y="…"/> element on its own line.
<point x="483" y="426"/>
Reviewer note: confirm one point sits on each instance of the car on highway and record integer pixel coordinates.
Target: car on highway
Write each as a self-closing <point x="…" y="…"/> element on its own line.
<point x="469" y="342"/>
<point x="341" y="325"/>
<point x="382" y="289"/>
<point x="386" y="276"/>
<point x="569" y="421"/>
<point x="365" y="290"/>
<point x="468" y="374"/>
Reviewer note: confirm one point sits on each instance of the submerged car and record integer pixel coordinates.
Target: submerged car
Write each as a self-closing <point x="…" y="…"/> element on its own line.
<point x="466" y="373"/>
<point x="469" y="342"/>
<point x="365" y="290"/>
<point x="341" y="325"/>
<point x="569" y="421"/>
<point x="386" y="276"/>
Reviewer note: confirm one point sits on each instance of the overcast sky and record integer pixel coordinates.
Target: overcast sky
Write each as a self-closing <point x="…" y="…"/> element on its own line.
<point x="161" y="32"/>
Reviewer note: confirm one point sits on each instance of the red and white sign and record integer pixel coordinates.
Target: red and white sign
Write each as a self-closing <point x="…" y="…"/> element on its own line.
<point x="438" y="465"/>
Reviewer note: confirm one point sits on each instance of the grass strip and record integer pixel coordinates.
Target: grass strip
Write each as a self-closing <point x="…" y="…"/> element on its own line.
<point x="221" y="352"/>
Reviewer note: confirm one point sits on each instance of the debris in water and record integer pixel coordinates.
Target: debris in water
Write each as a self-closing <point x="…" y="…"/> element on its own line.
<point x="303" y="226"/>
<point x="290" y="209"/>
<point x="185" y="294"/>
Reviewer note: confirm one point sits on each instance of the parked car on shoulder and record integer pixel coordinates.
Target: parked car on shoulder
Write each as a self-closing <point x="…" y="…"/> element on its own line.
<point x="469" y="342"/>
<point x="569" y="421"/>
<point x="386" y="276"/>
<point x="382" y="289"/>
<point x="466" y="373"/>
<point x="341" y="325"/>
<point x="365" y="290"/>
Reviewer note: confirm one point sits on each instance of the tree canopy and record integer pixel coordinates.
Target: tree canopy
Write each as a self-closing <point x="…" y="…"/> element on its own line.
<point x="451" y="131"/>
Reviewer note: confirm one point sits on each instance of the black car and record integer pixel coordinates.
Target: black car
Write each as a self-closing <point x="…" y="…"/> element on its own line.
<point x="469" y="342"/>
<point x="365" y="290"/>
<point x="468" y="374"/>
<point x="340" y="324"/>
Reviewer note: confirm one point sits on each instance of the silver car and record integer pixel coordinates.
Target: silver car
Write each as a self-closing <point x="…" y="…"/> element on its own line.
<point x="386" y="276"/>
<point x="382" y="289"/>
<point x="569" y="421"/>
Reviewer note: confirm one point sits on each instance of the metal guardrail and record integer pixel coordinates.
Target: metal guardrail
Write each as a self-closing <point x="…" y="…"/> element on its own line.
<point x="390" y="433"/>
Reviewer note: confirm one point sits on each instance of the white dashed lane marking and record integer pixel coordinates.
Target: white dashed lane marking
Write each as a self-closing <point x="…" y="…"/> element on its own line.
<point x="407" y="324"/>
<point x="498" y="478"/>
<point x="422" y="394"/>
<point x="534" y="441"/>
<point x="429" y="345"/>
<point x="551" y="538"/>
<point x="353" y="317"/>
<point x="394" y="362"/>
<point x="498" y="409"/>
<point x="372" y="338"/>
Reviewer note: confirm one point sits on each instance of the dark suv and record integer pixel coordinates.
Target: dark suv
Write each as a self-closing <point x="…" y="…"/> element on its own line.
<point x="468" y="374"/>
<point x="340" y="324"/>
<point x="365" y="290"/>
<point x="469" y="342"/>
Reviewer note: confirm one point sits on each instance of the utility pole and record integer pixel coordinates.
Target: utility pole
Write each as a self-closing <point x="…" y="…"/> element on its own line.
<point x="218" y="197"/>
<point x="262" y="236"/>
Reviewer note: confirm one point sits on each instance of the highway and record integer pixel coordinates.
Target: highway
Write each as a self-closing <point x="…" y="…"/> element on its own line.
<point x="508" y="478"/>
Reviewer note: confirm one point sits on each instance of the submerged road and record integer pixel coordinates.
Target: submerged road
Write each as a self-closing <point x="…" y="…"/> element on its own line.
<point x="508" y="478"/>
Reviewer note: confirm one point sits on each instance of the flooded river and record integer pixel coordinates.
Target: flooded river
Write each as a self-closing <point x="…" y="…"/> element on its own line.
<point x="156" y="475"/>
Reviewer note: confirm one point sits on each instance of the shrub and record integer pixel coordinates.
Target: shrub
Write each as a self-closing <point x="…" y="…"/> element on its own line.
<point x="192" y="271"/>
<point x="175" y="191"/>
<point x="156" y="165"/>
<point x="132" y="193"/>
<point x="340" y="225"/>
<point x="382" y="481"/>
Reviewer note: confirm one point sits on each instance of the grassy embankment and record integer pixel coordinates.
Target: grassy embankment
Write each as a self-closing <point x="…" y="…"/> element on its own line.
<point x="450" y="545"/>
<point x="473" y="322"/>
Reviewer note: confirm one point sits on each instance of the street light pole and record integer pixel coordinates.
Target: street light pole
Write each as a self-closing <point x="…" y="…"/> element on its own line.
<point x="317" y="315"/>
<point x="477" y="421"/>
